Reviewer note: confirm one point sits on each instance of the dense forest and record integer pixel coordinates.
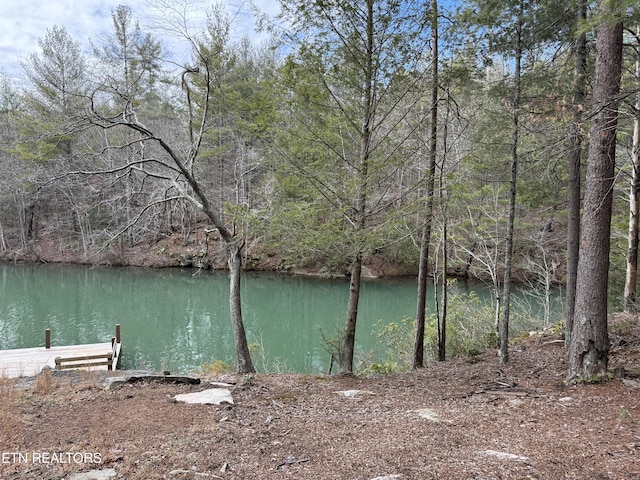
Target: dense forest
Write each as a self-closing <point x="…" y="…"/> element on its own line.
<point x="468" y="139"/>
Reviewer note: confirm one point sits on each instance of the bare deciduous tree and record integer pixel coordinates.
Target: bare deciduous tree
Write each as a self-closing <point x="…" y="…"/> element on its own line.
<point x="172" y="162"/>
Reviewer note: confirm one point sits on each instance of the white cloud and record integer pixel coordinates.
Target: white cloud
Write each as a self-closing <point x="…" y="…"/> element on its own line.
<point x="23" y="22"/>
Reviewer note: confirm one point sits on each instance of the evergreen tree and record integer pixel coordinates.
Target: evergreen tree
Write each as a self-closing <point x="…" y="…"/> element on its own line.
<point x="357" y="66"/>
<point x="589" y="346"/>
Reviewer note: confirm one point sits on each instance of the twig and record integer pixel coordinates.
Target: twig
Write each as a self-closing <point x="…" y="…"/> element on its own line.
<point x="291" y="460"/>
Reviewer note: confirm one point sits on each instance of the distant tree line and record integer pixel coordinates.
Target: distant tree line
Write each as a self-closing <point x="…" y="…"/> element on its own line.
<point x="451" y="140"/>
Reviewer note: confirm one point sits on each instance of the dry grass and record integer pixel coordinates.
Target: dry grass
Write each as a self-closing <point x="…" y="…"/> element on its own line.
<point x="42" y="385"/>
<point x="10" y="416"/>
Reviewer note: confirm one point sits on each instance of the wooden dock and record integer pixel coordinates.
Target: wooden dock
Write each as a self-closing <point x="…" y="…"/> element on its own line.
<point x="26" y="362"/>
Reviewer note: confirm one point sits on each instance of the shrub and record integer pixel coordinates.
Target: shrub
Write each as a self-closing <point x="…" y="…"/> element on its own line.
<point x="217" y="367"/>
<point x="470" y="332"/>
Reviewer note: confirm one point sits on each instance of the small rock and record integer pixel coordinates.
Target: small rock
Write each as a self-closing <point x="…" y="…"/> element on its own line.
<point x="426" y="413"/>
<point x="354" y="393"/>
<point x="389" y="477"/>
<point x="113" y="383"/>
<point x="506" y="456"/>
<point x="212" y="396"/>
<point x="630" y="383"/>
<point x="221" y="384"/>
<point x="565" y="399"/>
<point x="106" y="474"/>
<point x="180" y="471"/>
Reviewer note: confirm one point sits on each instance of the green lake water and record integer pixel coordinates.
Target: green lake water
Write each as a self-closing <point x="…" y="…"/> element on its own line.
<point x="173" y="320"/>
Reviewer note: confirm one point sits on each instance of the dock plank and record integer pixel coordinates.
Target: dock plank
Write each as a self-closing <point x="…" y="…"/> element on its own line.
<point x="21" y="362"/>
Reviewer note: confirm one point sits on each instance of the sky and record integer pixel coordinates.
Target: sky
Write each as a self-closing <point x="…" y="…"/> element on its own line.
<point x="24" y="22"/>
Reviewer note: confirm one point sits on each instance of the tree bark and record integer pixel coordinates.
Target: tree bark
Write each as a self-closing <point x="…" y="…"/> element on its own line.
<point x="589" y="347"/>
<point x="347" y="351"/>
<point x="423" y="274"/>
<point x="504" y="331"/>
<point x="245" y="365"/>
<point x="442" y="321"/>
<point x="423" y="278"/>
<point x="631" y="280"/>
<point x="442" y="335"/>
<point x="574" y="184"/>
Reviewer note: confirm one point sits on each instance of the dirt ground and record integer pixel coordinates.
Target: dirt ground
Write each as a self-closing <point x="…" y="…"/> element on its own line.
<point x="454" y="420"/>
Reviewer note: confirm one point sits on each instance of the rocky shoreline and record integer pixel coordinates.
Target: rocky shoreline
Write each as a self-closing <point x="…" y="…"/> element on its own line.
<point x="170" y="251"/>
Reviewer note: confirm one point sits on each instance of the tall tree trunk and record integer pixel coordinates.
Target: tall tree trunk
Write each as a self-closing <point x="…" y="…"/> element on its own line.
<point x="504" y="331"/>
<point x="589" y="349"/>
<point x="631" y="281"/>
<point x="245" y="365"/>
<point x="347" y="351"/>
<point x="575" y="155"/>
<point x="423" y="274"/>
<point x="444" y="202"/>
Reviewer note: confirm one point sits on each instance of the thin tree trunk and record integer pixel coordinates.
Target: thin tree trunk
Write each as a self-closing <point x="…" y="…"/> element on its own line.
<point x="245" y="365"/>
<point x="442" y="324"/>
<point x="574" y="184"/>
<point x="631" y="281"/>
<point x="444" y="202"/>
<point x="423" y="280"/>
<point x="589" y="349"/>
<point x="504" y="331"/>
<point x="423" y="274"/>
<point x="3" y="240"/>
<point x="347" y="351"/>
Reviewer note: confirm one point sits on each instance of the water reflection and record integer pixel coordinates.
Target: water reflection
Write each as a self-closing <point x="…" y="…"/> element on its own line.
<point x="175" y="321"/>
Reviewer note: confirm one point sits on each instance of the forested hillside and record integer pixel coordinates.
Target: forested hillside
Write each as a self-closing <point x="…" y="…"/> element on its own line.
<point x="362" y="135"/>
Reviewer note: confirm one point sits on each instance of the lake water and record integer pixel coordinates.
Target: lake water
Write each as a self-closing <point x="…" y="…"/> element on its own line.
<point x="173" y="320"/>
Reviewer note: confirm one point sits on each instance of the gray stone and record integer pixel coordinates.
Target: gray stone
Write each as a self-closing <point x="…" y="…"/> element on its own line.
<point x="354" y="393"/>
<point x="180" y="471"/>
<point x="506" y="456"/>
<point x="106" y="474"/>
<point x="113" y="383"/>
<point x="212" y="396"/>
<point x="389" y="477"/>
<point x="426" y="413"/>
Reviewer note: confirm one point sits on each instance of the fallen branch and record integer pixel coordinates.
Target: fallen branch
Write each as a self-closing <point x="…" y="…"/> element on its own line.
<point x="291" y="460"/>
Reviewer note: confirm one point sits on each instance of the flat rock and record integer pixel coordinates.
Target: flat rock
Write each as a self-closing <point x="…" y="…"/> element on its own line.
<point x="113" y="383"/>
<point x="427" y="413"/>
<point x="506" y="456"/>
<point x="106" y="474"/>
<point x="389" y="477"/>
<point x="354" y="393"/>
<point x="221" y="384"/>
<point x="212" y="396"/>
